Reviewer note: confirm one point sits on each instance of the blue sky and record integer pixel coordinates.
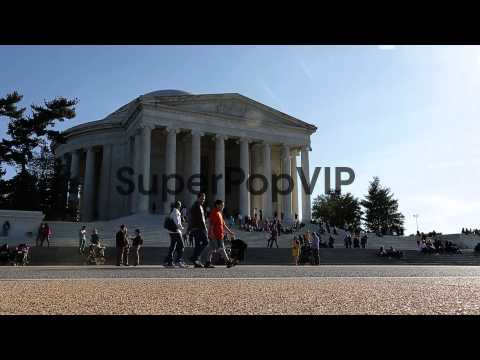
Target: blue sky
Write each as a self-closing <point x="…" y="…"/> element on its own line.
<point x="408" y="114"/>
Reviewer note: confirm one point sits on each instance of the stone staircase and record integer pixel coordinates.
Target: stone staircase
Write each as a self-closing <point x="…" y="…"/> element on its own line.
<point x="263" y="256"/>
<point x="65" y="234"/>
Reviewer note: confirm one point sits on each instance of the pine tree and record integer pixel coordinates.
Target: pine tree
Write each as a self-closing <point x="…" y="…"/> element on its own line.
<point x="381" y="210"/>
<point x="51" y="183"/>
<point x="27" y="134"/>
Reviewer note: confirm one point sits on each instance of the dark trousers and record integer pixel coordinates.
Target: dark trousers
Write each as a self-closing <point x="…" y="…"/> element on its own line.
<point x="271" y="241"/>
<point x="201" y="242"/>
<point x="316" y="257"/>
<point x="122" y="255"/>
<point x="190" y="239"/>
<point x="364" y="245"/>
<point x="176" y="245"/>
<point x="136" y="255"/>
<point x="43" y="239"/>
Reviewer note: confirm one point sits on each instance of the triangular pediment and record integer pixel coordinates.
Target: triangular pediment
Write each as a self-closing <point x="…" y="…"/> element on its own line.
<point x="232" y="105"/>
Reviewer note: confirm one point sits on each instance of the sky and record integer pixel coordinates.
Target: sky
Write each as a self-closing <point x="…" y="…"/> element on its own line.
<point x="407" y="114"/>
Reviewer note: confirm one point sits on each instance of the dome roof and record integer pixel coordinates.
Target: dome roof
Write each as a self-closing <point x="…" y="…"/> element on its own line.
<point x="167" y="93"/>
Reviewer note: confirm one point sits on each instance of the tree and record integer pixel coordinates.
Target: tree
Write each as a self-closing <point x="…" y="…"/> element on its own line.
<point x="51" y="183"/>
<point x="27" y="135"/>
<point x="337" y="209"/>
<point x="381" y="210"/>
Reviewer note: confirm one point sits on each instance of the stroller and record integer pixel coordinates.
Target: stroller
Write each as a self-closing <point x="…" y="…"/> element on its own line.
<point x="305" y="255"/>
<point x="21" y="255"/>
<point x="237" y="251"/>
<point x="95" y="255"/>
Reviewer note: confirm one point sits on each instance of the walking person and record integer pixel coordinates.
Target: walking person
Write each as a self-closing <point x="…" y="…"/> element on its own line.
<point x="216" y="235"/>
<point x="295" y="250"/>
<point x="274" y="237"/>
<point x="356" y="241"/>
<point x="45" y="235"/>
<point x="176" y="239"/>
<point x="364" y="240"/>
<point x="6" y="228"/>
<point x="122" y="245"/>
<point x="315" y="246"/>
<point x="198" y="229"/>
<point x="137" y="243"/>
<point x="82" y="238"/>
<point x="39" y="234"/>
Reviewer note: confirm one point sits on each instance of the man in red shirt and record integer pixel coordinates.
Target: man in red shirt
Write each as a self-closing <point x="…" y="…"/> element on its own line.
<point x="216" y="234"/>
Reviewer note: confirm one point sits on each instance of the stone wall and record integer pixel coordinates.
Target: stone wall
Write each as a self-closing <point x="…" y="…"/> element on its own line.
<point x="23" y="225"/>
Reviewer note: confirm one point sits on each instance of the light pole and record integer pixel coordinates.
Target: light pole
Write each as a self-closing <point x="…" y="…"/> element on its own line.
<point x="416" y="219"/>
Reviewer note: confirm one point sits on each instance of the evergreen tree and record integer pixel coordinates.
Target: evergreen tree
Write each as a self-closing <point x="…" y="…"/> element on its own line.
<point x="381" y="210"/>
<point x="51" y="183"/>
<point x="337" y="209"/>
<point x="27" y="134"/>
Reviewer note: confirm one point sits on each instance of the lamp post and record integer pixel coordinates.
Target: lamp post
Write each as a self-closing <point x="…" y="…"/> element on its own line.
<point x="416" y="219"/>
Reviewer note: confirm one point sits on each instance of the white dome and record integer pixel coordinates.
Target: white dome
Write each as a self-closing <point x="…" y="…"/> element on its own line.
<point x="167" y="93"/>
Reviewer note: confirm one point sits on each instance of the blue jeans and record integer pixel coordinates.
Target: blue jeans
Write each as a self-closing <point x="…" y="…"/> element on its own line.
<point x="201" y="242"/>
<point x="176" y="245"/>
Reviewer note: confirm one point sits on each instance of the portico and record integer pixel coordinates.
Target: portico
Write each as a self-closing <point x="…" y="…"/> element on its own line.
<point x="171" y="135"/>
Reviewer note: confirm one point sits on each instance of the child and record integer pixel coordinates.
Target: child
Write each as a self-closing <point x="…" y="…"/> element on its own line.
<point x="295" y="250"/>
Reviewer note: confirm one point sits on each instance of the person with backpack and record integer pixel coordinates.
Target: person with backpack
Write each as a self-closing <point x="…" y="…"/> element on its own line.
<point x="122" y="245"/>
<point x="173" y="223"/>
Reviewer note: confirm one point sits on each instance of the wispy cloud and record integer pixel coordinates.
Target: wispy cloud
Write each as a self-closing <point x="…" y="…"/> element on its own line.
<point x="269" y="91"/>
<point x="306" y="70"/>
<point x="387" y="47"/>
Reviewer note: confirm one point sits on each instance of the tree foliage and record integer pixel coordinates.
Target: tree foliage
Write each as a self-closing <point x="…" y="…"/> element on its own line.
<point x="337" y="209"/>
<point x="381" y="210"/>
<point x="28" y="147"/>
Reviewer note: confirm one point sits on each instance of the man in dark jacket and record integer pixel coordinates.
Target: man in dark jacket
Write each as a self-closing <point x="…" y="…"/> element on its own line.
<point x="122" y="246"/>
<point x="198" y="229"/>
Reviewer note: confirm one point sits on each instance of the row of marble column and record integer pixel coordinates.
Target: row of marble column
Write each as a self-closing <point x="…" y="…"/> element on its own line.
<point x="141" y="164"/>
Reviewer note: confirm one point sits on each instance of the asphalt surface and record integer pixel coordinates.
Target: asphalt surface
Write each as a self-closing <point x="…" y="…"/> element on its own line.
<point x="241" y="271"/>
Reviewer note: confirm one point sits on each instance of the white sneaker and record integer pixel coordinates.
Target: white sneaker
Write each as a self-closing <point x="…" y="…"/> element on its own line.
<point x="181" y="265"/>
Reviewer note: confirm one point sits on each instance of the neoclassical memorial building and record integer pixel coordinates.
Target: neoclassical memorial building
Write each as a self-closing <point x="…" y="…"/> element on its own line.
<point x="173" y="132"/>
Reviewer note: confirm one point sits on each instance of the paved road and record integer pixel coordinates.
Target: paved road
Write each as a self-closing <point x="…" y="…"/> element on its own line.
<point x="241" y="290"/>
<point x="242" y="271"/>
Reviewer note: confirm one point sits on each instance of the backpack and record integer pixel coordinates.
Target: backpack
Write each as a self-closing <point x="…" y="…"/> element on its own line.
<point x="169" y="224"/>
